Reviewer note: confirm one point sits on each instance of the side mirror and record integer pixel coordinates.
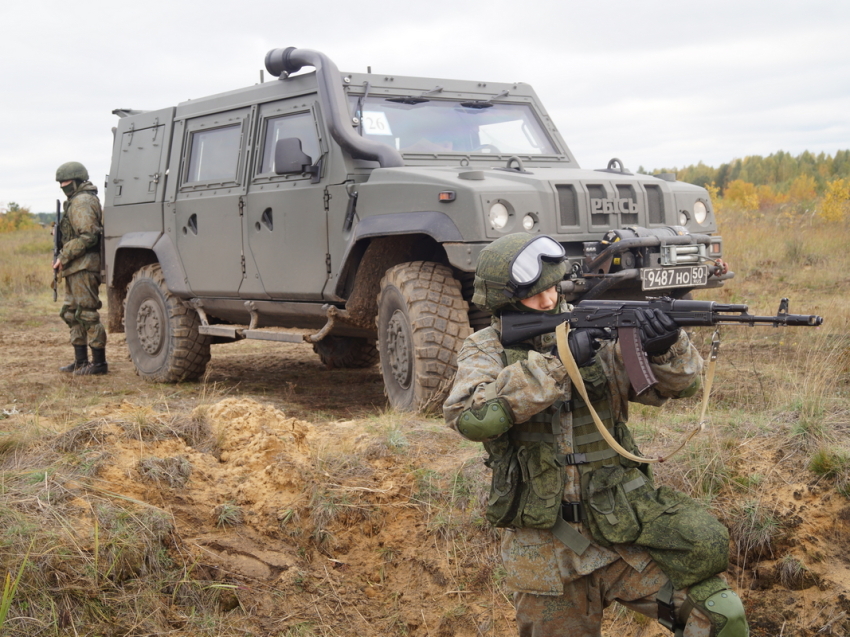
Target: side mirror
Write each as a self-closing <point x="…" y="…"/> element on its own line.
<point x="289" y="158"/>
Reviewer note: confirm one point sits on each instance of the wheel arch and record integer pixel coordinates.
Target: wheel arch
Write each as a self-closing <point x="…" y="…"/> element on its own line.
<point x="368" y="263"/>
<point x="380" y="242"/>
<point x="136" y="250"/>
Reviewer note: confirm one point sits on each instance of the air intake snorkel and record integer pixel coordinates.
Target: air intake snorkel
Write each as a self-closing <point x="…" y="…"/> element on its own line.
<point x="290" y="60"/>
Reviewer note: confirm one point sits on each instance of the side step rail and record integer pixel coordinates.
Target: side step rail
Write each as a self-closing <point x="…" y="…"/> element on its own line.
<point x="251" y="332"/>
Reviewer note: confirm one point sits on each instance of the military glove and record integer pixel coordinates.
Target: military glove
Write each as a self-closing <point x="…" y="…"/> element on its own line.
<point x="658" y="332"/>
<point x="583" y="344"/>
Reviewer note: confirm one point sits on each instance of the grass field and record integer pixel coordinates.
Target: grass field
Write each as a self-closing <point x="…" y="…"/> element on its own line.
<point x="377" y="523"/>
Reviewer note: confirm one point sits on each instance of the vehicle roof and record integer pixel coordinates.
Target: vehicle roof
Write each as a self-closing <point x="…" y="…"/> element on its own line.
<point x="305" y="84"/>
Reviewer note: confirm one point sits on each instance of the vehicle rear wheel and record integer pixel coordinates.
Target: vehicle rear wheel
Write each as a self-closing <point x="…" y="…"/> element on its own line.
<point x="422" y="322"/>
<point x="346" y="352"/>
<point x="162" y="332"/>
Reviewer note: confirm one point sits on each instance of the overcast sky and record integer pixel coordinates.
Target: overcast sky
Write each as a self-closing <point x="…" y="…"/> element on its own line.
<point x="657" y="84"/>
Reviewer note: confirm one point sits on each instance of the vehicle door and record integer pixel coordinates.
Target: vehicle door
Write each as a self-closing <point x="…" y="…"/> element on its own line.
<point x="209" y="201"/>
<point x="285" y="222"/>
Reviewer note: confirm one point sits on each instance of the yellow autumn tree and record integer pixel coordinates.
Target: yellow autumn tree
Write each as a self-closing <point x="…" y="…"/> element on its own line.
<point x="742" y="195"/>
<point x="836" y="201"/>
<point x="803" y="189"/>
<point x="15" y="217"/>
<point x="769" y="198"/>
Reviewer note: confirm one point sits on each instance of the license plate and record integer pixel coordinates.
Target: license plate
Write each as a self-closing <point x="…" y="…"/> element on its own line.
<point x="659" y="278"/>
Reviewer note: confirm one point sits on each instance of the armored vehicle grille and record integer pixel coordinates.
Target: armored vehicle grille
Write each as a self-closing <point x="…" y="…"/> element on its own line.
<point x="598" y="218"/>
<point x="628" y="192"/>
<point x="655" y="202"/>
<point x="568" y="204"/>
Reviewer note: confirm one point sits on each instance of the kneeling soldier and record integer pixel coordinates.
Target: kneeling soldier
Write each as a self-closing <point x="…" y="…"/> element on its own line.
<point x="585" y="526"/>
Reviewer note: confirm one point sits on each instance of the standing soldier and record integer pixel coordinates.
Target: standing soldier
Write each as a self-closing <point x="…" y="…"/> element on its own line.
<point x="584" y="525"/>
<point x="78" y="263"/>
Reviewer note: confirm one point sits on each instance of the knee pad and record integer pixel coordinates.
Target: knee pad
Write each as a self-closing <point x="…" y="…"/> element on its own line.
<point x="68" y="315"/>
<point x="88" y="318"/>
<point x="720" y="604"/>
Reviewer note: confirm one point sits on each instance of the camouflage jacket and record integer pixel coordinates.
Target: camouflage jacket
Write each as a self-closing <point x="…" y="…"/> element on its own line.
<point x="82" y="228"/>
<point x="535" y="561"/>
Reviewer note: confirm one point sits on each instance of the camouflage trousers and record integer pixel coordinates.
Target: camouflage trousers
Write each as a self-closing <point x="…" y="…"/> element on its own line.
<point x="578" y="612"/>
<point x="80" y="310"/>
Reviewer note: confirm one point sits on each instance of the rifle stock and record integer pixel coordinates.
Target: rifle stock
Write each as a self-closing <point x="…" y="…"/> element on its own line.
<point x="620" y="320"/>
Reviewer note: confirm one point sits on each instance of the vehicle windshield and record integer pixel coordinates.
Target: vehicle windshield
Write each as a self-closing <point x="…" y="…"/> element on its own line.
<point x="417" y="125"/>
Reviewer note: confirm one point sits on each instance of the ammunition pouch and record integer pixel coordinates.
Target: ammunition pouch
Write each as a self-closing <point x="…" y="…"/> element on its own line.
<point x="527" y="483"/>
<point x="609" y="494"/>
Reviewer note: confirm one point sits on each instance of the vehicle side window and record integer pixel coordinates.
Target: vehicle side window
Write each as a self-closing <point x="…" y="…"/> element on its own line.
<point x="215" y="154"/>
<point x="300" y="125"/>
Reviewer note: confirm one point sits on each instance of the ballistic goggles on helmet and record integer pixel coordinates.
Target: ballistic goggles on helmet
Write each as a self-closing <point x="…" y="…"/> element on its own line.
<point x="527" y="265"/>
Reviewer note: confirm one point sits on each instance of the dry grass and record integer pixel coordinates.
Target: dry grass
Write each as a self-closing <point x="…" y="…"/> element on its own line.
<point x="102" y="564"/>
<point x="25" y="262"/>
<point x="86" y="558"/>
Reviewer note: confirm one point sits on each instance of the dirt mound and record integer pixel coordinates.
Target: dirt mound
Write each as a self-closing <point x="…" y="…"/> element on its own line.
<point x="330" y="517"/>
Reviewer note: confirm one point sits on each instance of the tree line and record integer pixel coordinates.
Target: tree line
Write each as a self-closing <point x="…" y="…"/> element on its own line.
<point x="778" y="170"/>
<point x="805" y="183"/>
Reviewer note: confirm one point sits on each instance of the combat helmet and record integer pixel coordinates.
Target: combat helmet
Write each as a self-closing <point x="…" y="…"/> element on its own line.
<point x="71" y="170"/>
<point x="515" y="267"/>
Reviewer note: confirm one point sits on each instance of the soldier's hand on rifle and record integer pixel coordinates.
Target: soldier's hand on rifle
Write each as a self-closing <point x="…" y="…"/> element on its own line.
<point x="57" y="265"/>
<point x="583" y="344"/>
<point x="658" y="331"/>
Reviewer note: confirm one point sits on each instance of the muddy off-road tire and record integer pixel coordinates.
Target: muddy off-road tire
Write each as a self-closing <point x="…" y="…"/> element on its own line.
<point x="422" y="322"/>
<point x="162" y="332"/>
<point x="346" y="352"/>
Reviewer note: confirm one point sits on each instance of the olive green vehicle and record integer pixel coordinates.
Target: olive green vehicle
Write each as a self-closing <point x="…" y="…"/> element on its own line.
<point x="355" y="206"/>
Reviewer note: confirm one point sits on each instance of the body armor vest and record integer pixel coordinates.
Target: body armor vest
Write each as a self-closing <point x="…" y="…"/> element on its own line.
<point x="69" y="232"/>
<point x="590" y="450"/>
<point x="619" y="503"/>
<point x="529" y="460"/>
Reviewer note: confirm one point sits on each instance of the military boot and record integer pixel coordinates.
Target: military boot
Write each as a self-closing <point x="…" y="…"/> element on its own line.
<point x="81" y="359"/>
<point x="97" y="366"/>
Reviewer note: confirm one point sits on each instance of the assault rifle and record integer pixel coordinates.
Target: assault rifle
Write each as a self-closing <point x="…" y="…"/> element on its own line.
<point x="57" y="247"/>
<point x="619" y="319"/>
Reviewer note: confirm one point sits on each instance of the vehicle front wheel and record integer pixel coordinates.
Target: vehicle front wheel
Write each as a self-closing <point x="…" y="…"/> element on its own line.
<point x="162" y="332"/>
<point x="422" y="322"/>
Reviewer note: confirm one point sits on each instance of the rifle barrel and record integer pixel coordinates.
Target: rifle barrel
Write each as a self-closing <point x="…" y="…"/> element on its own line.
<point x="804" y="320"/>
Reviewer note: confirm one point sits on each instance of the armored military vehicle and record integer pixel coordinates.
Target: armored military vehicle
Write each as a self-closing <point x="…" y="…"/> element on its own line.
<point x="355" y="206"/>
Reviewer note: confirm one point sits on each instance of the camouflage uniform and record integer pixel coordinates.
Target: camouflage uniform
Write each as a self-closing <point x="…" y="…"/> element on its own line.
<point x="81" y="228"/>
<point x="558" y="592"/>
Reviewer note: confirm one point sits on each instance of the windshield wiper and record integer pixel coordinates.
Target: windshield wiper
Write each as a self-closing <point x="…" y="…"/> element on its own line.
<point x="484" y="103"/>
<point x="409" y="99"/>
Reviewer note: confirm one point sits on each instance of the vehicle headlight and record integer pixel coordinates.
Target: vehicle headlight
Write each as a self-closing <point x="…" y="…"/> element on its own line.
<point x="700" y="212"/>
<point x="528" y="222"/>
<point x="499" y="215"/>
<point x="683" y="217"/>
